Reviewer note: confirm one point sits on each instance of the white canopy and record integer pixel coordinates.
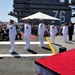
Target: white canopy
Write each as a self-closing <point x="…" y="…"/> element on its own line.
<point x="40" y="15"/>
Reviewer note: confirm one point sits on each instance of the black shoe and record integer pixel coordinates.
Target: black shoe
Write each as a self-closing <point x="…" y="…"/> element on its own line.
<point x="70" y="40"/>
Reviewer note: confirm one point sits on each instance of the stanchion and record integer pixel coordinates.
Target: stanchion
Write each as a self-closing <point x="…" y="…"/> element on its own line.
<point x="62" y="49"/>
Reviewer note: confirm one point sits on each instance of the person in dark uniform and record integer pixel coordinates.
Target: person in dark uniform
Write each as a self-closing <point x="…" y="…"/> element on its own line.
<point x="70" y="30"/>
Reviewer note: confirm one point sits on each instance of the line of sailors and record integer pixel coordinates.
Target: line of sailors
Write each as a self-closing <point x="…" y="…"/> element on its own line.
<point x="41" y="30"/>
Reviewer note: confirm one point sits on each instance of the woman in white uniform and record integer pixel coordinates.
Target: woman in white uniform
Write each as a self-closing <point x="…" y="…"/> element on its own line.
<point x="74" y="31"/>
<point x="41" y="30"/>
<point x="65" y="32"/>
<point x="53" y="31"/>
<point x="27" y="34"/>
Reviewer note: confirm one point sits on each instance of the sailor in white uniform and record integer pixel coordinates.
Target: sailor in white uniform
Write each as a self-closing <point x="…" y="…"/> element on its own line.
<point x="41" y="30"/>
<point x="53" y="31"/>
<point x="65" y="32"/>
<point x="27" y="34"/>
<point x="12" y="34"/>
<point x="74" y="31"/>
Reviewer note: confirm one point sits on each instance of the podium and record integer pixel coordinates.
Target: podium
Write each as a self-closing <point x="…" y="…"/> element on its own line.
<point x="62" y="49"/>
<point x="59" y="64"/>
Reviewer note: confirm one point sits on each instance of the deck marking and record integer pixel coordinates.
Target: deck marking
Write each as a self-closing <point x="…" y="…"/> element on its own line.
<point x="53" y="51"/>
<point x="24" y="55"/>
<point x="22" y="43"/>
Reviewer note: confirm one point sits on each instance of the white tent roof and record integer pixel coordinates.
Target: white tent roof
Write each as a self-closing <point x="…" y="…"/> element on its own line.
<point x="40" y="15"/>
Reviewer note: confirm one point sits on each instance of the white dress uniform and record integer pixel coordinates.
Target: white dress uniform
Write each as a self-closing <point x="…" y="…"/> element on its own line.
<point x="74" y="31"/>
<point x="12" y="34"/>
<point x="41" y="30"/>
<point x="65" y="32"/>
<point x="53" y="31"/>
<point x="27" y="34"/>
